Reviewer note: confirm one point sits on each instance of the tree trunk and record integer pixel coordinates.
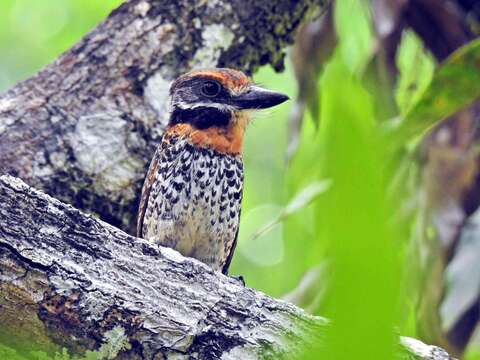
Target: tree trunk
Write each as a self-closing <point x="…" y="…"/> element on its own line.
<point x="70" y="280"/>
<point x="84" y="129"/>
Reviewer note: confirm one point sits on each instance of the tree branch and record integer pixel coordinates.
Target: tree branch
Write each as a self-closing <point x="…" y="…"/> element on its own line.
<point x="84" y="129"/>
<point x="69" y="280"/>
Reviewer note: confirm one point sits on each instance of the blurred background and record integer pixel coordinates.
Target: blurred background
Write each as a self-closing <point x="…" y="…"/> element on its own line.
<point x="378" y="235"/>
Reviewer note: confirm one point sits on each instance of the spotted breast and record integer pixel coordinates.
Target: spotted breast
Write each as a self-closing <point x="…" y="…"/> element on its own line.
<point x="194" y="202"/>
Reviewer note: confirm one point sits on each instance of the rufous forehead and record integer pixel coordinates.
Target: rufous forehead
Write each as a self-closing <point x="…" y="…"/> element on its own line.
<point x="229" y="78"/>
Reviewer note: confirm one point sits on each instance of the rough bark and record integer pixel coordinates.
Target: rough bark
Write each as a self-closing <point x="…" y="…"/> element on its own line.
<point x="69" y="280"/>
<point x="85" y="128"/>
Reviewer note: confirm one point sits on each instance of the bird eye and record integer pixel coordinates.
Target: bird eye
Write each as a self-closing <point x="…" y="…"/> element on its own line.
<point x="211" y="88"/>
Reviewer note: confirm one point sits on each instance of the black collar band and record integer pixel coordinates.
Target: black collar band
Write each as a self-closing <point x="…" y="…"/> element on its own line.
<point x="201" y="117"/>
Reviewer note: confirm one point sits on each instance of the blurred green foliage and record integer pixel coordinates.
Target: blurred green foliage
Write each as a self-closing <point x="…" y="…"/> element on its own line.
<point x="454" y="86"/>
<point x="329" y="202"/>
<point x="416" y="69"/>
<point x="114" y="342"/>
<point x="352" y="221"/>
<point x="34" y="32"/>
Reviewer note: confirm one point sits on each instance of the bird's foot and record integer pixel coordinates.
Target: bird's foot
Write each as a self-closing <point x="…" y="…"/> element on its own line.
<point x="239" y="278"/>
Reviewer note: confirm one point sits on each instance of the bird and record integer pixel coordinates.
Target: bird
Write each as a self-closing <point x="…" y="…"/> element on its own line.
<point x="192" y="194"/>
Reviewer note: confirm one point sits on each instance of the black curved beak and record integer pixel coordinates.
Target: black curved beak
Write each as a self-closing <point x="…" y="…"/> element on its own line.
<point x="258" y="98"/>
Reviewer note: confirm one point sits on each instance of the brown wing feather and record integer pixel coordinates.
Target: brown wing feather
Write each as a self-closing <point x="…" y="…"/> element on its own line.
<point x="147" y="186"/>
<point x="232" y="250"/>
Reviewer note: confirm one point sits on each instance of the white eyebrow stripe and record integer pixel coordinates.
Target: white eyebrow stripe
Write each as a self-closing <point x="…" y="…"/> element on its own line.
<point x="220" y="106"/>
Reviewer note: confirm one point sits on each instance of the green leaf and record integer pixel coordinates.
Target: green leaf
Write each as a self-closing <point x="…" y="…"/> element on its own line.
<point x="416" y="67"/>
<point x="455" y="85"/>
<point x="300" y="201"/>
<point x="353" y="224"/>
<point x="306" y="196"/>
<point x="355" y="33"/>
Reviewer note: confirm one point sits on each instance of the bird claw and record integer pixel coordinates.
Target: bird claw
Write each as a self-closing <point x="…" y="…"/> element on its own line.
<point x="239" y="278"/>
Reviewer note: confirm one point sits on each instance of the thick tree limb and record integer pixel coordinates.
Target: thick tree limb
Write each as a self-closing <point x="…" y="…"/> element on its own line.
<point x="84" y="128"/>
<point x="68" y="279"/>
<point x="81" y="277"/>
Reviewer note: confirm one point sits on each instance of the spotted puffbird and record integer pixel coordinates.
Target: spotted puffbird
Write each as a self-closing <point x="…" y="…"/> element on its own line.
<point x="192" y="194"/>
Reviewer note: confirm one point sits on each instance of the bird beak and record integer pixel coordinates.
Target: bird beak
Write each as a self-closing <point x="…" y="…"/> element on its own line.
<point x="258" y="98"/>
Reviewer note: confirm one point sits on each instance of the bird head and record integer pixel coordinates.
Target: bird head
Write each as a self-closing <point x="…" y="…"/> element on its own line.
<point x="212" y="107"/>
